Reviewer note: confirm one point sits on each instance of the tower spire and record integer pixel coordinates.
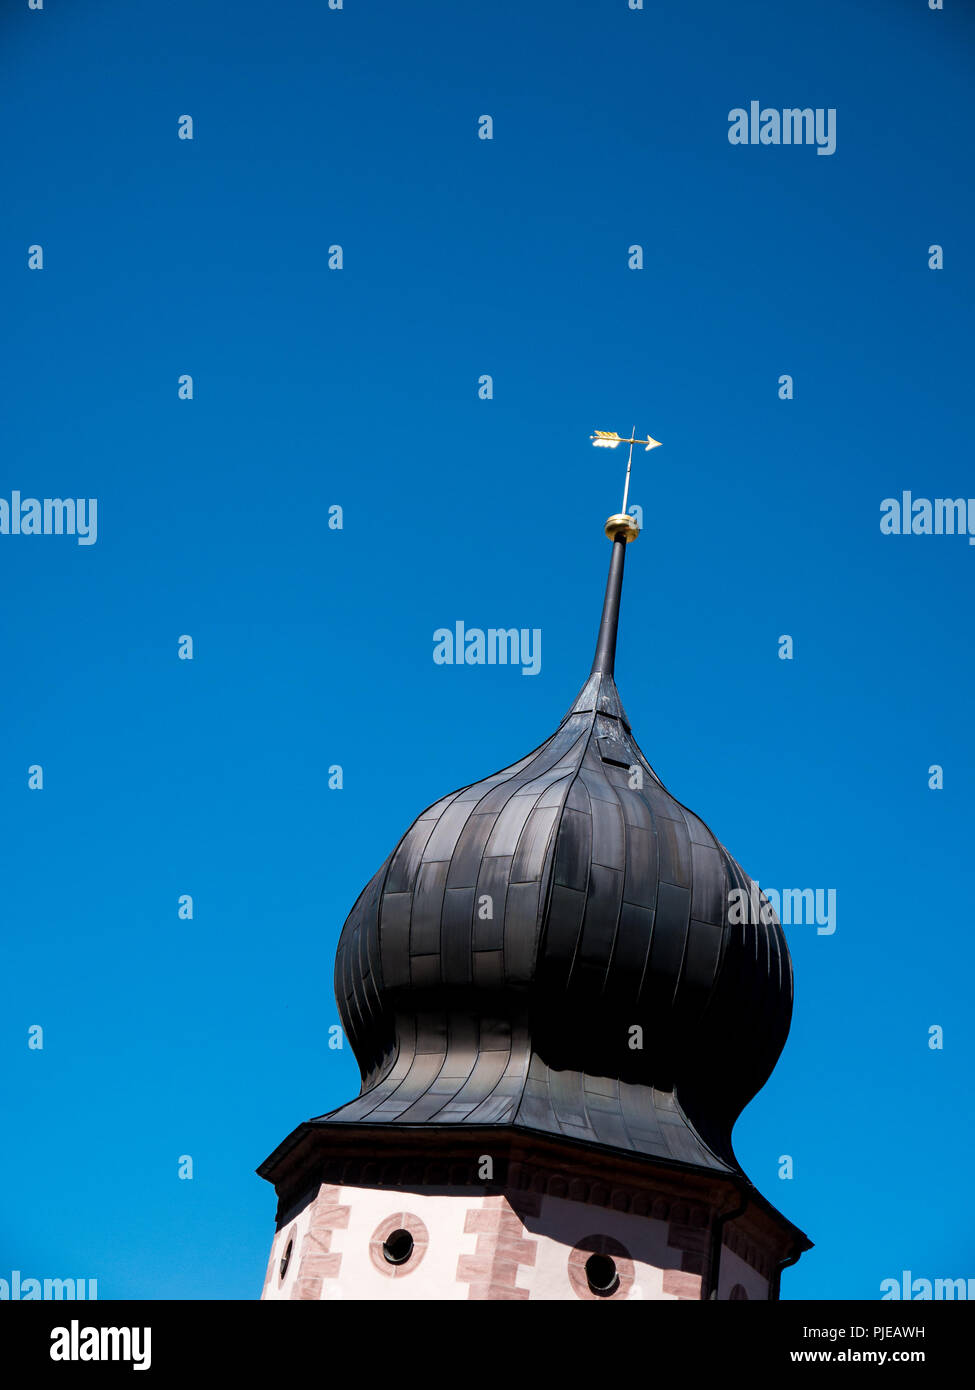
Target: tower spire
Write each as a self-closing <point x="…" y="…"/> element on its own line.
<point x="620" y="528"/>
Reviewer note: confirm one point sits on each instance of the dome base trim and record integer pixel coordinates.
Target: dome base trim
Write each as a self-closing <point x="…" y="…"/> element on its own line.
<point x="449" y="1158"/>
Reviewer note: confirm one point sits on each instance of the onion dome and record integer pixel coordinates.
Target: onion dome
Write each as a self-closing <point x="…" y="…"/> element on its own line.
<point x="550" y="950"/>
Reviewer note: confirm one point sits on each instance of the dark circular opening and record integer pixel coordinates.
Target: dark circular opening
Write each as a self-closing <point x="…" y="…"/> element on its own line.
<point x="286" y="1258"/>
<point x="602" y="1274"/>
<point x="398" y="1247"/>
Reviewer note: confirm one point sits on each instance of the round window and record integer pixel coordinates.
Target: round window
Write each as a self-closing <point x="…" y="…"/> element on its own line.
<point x="398" y="1244"/>
<point x="602" y="1274"/>
<point x="398" y="1247"/>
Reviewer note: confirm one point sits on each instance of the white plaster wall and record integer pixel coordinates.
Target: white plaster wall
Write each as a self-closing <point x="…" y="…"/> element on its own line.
<point x="734" y="1270"/>
<point x="559" y="1228"/>
<point x="277" y="1288"/>
<point x="434" y="1278"/>
<point x="565" y="1223"/>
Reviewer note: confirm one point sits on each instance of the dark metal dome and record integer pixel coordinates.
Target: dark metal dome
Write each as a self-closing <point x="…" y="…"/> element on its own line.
<point x="550" y="949"/>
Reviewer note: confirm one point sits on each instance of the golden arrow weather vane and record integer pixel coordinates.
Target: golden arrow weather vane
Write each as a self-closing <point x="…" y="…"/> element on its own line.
<point x="609" y="439"/>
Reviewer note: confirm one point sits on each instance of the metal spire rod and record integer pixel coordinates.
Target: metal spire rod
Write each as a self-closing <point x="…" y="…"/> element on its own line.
<point x="620" y="528"/>
<point x="604" y="659"/>
<point x="629" y="465"/>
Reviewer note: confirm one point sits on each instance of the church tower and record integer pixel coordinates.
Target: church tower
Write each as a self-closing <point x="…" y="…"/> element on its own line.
<point x="558" y="1021"/>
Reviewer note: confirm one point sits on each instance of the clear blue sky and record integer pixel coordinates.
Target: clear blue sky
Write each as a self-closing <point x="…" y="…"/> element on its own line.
<point x="358" y="387"/>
